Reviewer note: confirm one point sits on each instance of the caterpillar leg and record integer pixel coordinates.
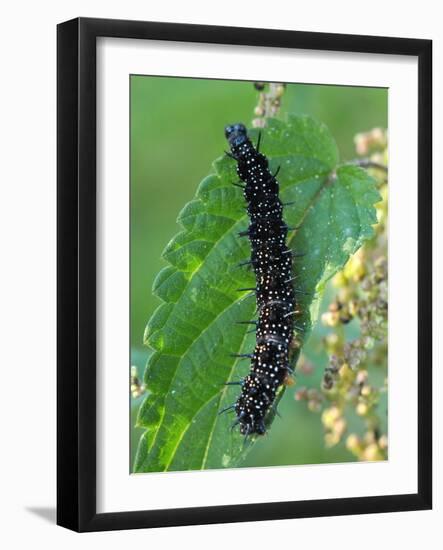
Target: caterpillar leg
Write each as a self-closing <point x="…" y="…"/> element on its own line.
<point x="242" y="355"/>
<point x="233" y="383"/>
<point x="226" y="409"/>
<point x="246" y="262"/>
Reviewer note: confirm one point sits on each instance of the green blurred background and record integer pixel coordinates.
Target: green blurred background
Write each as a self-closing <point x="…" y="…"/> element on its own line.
<point x="176" y="132"/>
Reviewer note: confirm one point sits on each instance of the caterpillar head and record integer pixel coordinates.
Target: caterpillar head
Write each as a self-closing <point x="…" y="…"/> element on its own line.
<point x="236" y="134"/>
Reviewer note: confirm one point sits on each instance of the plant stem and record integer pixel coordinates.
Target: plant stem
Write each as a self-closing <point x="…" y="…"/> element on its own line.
<point x="368" y="163"/>
<point x="269" y="102"/>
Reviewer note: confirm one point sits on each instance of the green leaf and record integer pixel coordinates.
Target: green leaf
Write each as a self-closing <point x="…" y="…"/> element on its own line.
<point x="194" y="331"/>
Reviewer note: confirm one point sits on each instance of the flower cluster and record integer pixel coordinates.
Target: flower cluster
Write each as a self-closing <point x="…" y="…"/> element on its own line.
<point x="269" y="102"/>
<point x="137" y="388"/>
<point x="356" y="374"/>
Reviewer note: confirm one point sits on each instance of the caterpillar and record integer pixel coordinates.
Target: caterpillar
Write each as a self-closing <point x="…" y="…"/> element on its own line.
<point x="271" y="261"/>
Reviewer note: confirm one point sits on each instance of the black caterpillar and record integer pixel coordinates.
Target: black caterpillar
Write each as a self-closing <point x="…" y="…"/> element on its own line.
<point x="271" y="261"/>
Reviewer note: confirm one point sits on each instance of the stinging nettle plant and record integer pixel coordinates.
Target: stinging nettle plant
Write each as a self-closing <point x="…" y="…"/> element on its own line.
<point x="195" y="330"/>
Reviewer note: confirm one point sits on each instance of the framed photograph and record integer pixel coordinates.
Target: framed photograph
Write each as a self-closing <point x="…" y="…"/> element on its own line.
<point x="244" y="274"/>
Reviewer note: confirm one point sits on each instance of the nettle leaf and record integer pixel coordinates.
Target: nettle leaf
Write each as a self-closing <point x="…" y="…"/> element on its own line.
<point x="194" y="332"/>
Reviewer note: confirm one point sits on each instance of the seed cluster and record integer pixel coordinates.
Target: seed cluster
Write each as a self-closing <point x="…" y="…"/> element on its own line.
<point x="271" y="260"/>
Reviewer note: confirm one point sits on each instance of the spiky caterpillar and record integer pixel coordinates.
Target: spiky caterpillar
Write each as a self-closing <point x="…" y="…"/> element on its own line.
<point x="271" y="261"/>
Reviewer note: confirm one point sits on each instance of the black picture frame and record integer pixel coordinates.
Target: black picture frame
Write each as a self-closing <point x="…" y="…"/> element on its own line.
<point x="76" y="293"/>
